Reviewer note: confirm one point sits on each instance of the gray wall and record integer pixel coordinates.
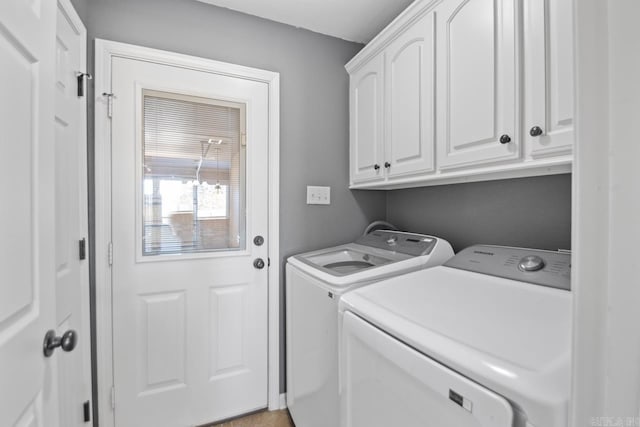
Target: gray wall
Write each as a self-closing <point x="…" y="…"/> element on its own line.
<point x="528" y="212"/>
<point x="82" y="7"/>
<point x="313" y="104"/>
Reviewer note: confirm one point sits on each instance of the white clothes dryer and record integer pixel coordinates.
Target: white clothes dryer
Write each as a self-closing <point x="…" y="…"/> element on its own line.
<point x="482" y="341"/>
<point x="315" y="281"/>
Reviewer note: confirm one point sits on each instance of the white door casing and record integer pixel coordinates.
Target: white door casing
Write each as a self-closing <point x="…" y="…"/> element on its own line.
<point x="606" y="208"/>
<point x="28" y="395"/>
<point x="170" y="77"/>
<point x="410" y="113"/>
<point x="475" y="109"/>
<point x="71" y="216"/>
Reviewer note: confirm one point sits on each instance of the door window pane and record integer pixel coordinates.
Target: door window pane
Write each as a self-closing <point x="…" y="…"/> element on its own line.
<point x="193" y="174"/>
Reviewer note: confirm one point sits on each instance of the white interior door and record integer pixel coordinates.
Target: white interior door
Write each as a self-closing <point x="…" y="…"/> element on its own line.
<point x="27" y="300"/>
<point x="189" y="195"/>
<point x="72" y="269"/>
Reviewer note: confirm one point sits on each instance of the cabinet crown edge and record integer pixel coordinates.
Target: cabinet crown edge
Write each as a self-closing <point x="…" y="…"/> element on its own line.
<point x="407" y="17"/>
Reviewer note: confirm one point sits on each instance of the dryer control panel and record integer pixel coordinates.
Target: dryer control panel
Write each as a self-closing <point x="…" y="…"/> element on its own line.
<point x="399" y="241"/>
<point x="545" y="268"/>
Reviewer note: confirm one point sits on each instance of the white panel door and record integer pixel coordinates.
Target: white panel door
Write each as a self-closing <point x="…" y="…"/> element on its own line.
<point x="477" y="97"/>
<point x="189" y="324"/>
<point x="386" y="383"/>
<point x="410" y="93"/>
<point x="28" y="394"/>
<point x="366" y="99"/>
<point x="548" y="56"/>
<point x="72" y="272"/>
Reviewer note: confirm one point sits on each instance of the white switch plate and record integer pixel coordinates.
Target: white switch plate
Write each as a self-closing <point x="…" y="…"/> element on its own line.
<point x="318" y="195"/>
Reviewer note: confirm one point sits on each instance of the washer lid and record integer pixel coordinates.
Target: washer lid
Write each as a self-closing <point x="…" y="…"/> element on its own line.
<point x="512" y="337"/>
<point x="377" y="255"/>
<point x="353" y="263"/>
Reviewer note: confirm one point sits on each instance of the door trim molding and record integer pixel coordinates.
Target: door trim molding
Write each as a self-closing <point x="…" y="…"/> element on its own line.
<point x="105" y="51"/>
<point x="606" y="202"/>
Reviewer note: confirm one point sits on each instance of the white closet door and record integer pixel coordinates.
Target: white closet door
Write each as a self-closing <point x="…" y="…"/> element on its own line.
<point x="72" y="269"/>
<point x="386" y="383"/>
<point x="477" y="97"/>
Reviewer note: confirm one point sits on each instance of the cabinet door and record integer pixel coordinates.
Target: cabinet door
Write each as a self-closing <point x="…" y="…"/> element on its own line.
<point x="366" y="111"/>
<point x="477" y="96"/>
<point x="410" y="84"/>
<point x="548" y="32"/>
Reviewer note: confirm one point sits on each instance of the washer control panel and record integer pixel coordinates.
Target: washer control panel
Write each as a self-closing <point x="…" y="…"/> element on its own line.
<point x="545" y="268"/>
<point x="399" y="241"/>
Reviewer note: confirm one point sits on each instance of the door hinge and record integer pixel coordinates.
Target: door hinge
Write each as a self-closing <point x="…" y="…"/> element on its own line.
<point x="82" y="248"/>
<point x="243" y="139"/>
<point x="110" y="253"/>
<point x="113" y="397"/>
<point x="86" y="411"/>
<point x="109" y="103"/>
<point x="81" y="79"/>
<point x="268" y="262"/>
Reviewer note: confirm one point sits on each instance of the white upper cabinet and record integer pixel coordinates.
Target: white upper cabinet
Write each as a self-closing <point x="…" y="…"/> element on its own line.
<point x="409" y="114"/>
<point x="477" y="101"/>
<point x="366" y="130"/>
<point x="548" y="71"/>
<point x="464" y="90"/>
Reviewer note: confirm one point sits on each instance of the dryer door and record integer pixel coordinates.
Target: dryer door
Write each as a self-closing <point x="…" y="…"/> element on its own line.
<point x="386" y="383"/>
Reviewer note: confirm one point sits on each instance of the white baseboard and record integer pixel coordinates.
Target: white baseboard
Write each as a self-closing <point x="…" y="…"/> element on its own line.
<point x="283" y="400"/>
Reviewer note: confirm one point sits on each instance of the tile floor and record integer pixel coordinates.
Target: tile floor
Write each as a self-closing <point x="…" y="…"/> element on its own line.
<point x="260" y="419"/>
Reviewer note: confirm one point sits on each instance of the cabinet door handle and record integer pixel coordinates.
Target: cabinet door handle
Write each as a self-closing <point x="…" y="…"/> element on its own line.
<point x="376" y="166"/>
<point x="535" y="131"/>
<point x="387" y="165"/>
<point x="505" y="139"/>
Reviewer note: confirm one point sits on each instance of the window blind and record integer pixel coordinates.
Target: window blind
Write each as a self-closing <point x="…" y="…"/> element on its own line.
<point x="193" y="174"/>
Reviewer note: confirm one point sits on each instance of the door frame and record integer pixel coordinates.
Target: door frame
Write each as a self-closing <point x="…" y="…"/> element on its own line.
<point x="105" y="51"/>
<point x="606" y="202"/>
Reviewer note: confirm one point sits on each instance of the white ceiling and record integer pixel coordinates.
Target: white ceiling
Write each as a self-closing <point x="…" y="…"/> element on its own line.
<point x="353" y="20"/>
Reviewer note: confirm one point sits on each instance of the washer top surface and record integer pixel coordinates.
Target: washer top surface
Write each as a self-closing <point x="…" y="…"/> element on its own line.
<point x="512" y="336"/>
<point x="379" y="254"/>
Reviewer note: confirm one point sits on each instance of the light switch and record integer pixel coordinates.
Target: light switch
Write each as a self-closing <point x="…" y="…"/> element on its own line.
<point x="318" y="195"/>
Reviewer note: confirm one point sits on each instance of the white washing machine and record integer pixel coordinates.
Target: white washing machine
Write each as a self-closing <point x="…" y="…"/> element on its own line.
<point x="315" y="282"/>
<point x="483" y="341"/>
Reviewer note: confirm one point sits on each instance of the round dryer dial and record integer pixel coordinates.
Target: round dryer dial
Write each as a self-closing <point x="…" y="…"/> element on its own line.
<point x="531" y="263"/>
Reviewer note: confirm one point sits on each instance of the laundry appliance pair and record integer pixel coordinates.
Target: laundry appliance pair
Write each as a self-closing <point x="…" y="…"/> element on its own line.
<point x="482" y="340"/>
